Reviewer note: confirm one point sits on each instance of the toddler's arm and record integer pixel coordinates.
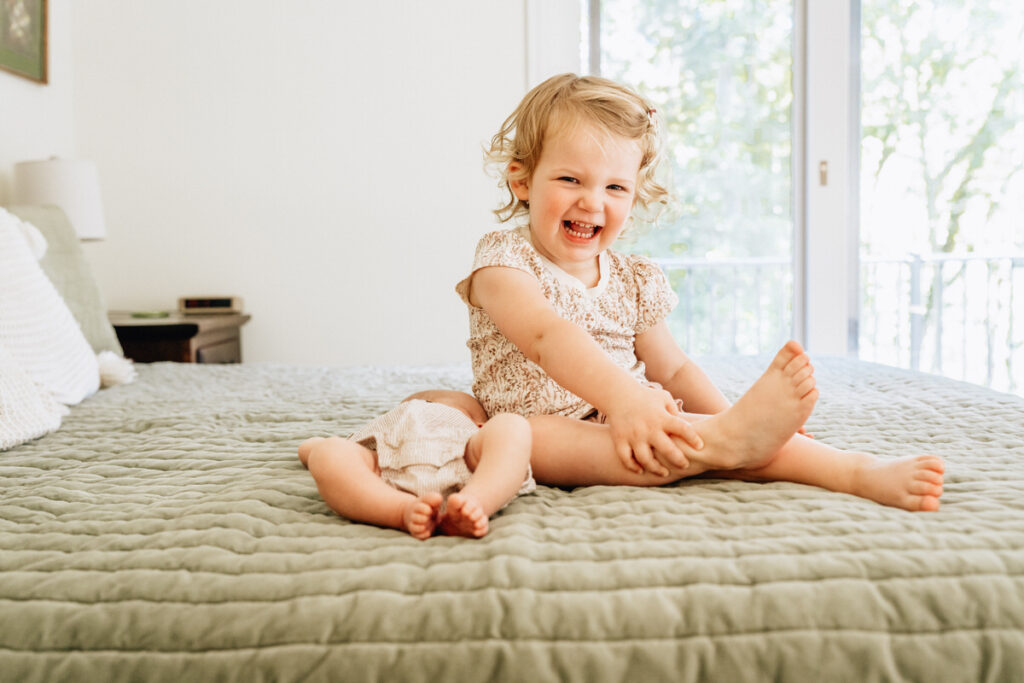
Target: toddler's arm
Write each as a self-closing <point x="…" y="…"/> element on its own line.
<point x="641" y="419"/>
<point x="670" y="367"/>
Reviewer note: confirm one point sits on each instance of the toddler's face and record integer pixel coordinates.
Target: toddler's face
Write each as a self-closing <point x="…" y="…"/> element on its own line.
<point x="580" y="195"/>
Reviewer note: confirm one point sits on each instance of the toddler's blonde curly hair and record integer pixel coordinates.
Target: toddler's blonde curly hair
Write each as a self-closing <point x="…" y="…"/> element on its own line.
<point x="561" y="102"/>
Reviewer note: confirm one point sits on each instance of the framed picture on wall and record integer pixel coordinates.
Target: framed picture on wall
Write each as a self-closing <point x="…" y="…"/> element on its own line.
<point x="23" y="38"/>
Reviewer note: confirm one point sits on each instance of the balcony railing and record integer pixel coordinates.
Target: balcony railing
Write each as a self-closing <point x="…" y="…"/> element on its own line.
<point x="957" y="315"/>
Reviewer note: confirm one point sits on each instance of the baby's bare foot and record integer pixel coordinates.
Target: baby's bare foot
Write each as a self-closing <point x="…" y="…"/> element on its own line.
<point x="753" y="429"/>
<point x="421" y="515"/>
<point x="464" y="516"/>
<point x="913" y="483"/>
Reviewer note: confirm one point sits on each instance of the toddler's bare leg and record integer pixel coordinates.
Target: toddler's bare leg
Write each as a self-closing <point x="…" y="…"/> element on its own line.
<point x="499" y="455"/>
<point x="747" y="434"/>
<point x="569" y="452"/>
<point x="751" y="431"/>
<point x="911" y="482"/>
<point x="348" y="479"/>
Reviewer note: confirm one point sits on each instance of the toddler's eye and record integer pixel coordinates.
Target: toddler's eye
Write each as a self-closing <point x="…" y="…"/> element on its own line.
<point x="617" y="188"/>
<point x="568" y="179"/>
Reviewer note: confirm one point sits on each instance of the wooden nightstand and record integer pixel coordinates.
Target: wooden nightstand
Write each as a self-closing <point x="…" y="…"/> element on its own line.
<point x="209" y="338"/>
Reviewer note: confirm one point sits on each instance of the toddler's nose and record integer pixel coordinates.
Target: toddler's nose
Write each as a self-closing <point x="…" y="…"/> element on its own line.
<point x="590" y="201"/>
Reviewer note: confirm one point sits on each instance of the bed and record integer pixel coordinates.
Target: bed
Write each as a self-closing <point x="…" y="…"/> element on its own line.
<point x="163" y="529"/>
<point x="168" y="532"/>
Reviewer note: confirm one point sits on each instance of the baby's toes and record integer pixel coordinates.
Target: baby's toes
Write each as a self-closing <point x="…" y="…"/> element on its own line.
<point x="454" y="506"/>
<point x="924" y="503"/>
<point x="920" y="487"/>
<point x="479" y="522"/>
<point x="419" y="523"/>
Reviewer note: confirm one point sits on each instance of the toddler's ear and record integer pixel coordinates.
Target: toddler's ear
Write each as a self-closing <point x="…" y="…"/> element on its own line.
<point x="519" y="186"/>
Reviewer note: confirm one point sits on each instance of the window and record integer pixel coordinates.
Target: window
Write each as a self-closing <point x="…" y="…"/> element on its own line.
<point x="719" y="74"/>
<point x="942" y="188"/>
<point x="849" y="173"/>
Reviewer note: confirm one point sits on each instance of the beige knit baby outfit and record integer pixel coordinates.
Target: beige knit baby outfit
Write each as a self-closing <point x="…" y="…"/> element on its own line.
<point x="421" y="447"/>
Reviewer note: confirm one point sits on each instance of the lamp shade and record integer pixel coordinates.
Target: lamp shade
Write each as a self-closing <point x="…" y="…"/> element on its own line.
<point x="71" y="184"/>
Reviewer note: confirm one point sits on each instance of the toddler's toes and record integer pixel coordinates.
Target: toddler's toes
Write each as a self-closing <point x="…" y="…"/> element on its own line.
<point x="924" y="488"/>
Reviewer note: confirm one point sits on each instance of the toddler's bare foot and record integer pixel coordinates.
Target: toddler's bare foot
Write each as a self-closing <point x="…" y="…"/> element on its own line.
<point x="464" y="516"/>
<point x="913" y="483"/>
<point x="422" y="514"/>
<point x="306" y="447"/>
<point x="753" y="429"/>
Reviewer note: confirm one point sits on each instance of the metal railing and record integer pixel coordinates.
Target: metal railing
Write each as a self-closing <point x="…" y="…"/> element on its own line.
<point x="734" y="305"/>
<point x="957" y="315"/>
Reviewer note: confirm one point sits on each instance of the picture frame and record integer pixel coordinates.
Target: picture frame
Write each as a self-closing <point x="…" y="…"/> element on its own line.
<point x="23" y="38"/>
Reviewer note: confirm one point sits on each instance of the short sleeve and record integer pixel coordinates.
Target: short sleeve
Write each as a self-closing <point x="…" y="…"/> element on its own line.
<point x="506" y="248"/>
<point x="655" y="298"/>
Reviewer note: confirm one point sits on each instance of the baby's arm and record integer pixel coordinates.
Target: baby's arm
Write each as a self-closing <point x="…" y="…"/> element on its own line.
<point x="640" y="418"/>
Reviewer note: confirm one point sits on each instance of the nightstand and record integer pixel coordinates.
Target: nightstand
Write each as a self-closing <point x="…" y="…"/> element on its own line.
<point x="208" y="338"/>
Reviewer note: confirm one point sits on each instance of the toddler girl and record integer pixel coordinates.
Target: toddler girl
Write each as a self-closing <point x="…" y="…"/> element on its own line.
<point x="572" y="335"/>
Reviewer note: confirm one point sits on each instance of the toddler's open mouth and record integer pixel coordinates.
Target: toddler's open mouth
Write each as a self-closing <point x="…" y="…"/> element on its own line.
<point x="581" y="230"/>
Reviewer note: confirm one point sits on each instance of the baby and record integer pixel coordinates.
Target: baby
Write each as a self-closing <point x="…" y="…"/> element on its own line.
<point x="434" y="462"/>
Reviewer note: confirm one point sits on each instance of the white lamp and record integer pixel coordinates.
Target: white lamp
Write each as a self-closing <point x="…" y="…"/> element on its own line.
<point x="71" y="184"/>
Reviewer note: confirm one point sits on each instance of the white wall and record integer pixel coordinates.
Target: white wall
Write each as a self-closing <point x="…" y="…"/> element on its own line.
<point x="36" y="119"/>
<point x="321" y="159"/>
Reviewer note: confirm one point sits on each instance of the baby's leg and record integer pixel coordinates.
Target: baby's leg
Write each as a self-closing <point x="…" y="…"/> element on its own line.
<point x="348" y="479"/>
<point x="499" y="455"/>
<point x="912" y="482"/>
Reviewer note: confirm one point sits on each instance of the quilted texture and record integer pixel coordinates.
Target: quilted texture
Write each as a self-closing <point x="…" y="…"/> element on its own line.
<point x="168" y="532"/>
<point x="36" y="326"/>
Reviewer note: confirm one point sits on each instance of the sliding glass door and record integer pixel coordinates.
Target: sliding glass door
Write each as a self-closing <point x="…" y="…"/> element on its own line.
<point x="849" y="172"/>
<point x="942" y="188"/>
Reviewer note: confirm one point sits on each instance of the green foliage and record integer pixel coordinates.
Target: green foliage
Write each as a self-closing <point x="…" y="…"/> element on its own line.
<point x="719" y="73"/>
<point x="942" y="114"/>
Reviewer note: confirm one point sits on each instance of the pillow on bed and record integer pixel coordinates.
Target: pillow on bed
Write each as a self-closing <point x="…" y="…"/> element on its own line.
<point x="36" y="327"/>
<point x="67" y="268"/>
<point x="27" y="411"/>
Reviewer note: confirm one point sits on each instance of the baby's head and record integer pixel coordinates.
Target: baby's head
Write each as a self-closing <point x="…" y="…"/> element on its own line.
<point x="568" y="100"/>
<point x="462" y="402"/>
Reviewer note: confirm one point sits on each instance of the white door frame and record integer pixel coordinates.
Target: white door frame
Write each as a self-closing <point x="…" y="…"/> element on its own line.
<point x="827" y="66"/>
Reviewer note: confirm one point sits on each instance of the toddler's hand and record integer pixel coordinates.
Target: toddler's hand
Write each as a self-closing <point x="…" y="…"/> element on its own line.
<point x="641" y="427"/>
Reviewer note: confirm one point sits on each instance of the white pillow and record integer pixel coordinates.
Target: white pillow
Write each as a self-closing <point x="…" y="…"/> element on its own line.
<point x="36" y="327"/>
<point x="27" y="411"/>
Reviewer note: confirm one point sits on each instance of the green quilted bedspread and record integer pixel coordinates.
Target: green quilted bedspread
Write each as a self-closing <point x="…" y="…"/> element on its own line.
<point x="168" y="532"/>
